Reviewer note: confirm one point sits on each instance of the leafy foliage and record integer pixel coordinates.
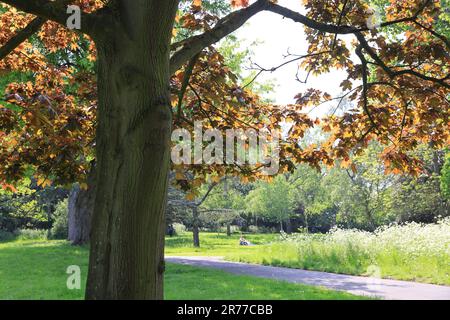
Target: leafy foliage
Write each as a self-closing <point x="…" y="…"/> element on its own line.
<point x="48" y="120"/>
<point x="445" y="178"/>
<point x="363" y="198"/>
<point x="59" y="228"/>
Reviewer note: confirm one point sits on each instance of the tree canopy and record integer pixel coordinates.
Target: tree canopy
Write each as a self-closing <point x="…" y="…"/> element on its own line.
<point x="399" y="88"/>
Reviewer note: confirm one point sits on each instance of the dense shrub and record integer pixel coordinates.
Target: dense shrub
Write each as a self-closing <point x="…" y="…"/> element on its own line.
<point x="179" y="228"/>
<point x="6" y="235"/>
<point x="233" y="229"/>
<point x="445" y="178"/>
<point x="60" y="227"/>
<point x="31" y="234"/>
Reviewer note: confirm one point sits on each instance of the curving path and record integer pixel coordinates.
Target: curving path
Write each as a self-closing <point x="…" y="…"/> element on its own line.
<point x="382" y="288"/>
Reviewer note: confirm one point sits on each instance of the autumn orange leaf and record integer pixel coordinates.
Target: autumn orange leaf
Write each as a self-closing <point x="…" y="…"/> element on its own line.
<point x="239" y="3"/>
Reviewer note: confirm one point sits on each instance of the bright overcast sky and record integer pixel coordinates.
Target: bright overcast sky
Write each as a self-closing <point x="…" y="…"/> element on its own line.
<point x="279" y="35"/>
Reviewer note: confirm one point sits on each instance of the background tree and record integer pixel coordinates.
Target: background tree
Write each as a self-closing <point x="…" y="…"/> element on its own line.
<point x="224" y="204"/>
<point x="420" y="199"/>
<point x="445" y="179"/>
<point x="273" y="200"/>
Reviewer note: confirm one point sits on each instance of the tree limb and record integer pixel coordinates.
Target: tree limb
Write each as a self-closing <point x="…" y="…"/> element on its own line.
<point x="210" y="188"/>
<point x="224" y="27"/>
<point x="51" y="10"/>
<point x="21" y="36"/>
<point x="191" y="46"/>
<point x="392" y="73"/>
<point x="185" y="83"/>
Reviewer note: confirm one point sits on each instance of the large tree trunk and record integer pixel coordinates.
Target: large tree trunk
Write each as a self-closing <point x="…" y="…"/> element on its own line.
<point x="133" y="150"/>
<point x="81" y="207"/>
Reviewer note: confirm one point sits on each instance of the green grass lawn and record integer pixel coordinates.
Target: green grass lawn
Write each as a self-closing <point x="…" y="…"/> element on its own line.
<point x="36" y="269"/>
<point x="215" y="244"/>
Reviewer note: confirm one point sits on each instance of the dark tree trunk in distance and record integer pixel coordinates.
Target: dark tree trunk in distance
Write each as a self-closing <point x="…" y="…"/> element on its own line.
<point x="79" y="215"/>
<point x="195" y="227"/>
<point x="81" y="207"/>
<point x="288" y="226"/>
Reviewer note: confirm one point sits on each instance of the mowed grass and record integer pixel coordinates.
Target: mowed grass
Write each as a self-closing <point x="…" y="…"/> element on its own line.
<point x="215" y="244"/>
<point x="36" y="269"/>
<point x="186" y="282"/>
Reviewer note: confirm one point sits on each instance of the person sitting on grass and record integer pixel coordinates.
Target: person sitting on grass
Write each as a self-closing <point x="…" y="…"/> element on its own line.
<point x="243" y="241"/>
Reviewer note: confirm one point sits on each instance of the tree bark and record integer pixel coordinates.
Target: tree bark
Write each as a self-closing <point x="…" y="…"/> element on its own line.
<point x="228" y="230"/>
<point x="195" y="227"/>
<point x="79" y="216"/>
<point x="133" y="151"/>
<point x="80" y="209"/>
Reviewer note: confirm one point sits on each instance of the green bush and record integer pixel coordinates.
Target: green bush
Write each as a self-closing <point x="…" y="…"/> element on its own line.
<point x="6" y="235"/>
<point x="179" y="228"/>
<point x="445" y="177"/>
<point x="60" y="227"/>
<point x="31" y="234"/>
<point x="233" y="229"/>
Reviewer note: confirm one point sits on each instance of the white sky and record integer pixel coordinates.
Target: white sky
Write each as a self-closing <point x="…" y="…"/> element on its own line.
<point x="279" y="35"/>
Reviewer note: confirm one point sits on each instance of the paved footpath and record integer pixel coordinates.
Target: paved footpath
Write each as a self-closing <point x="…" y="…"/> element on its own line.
<point x="382" y="288"/>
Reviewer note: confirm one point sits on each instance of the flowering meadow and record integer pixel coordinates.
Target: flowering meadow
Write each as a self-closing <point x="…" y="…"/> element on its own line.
<point x="413" y="251"/>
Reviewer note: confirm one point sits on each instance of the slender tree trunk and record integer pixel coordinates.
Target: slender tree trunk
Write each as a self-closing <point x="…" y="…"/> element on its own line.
<point x="369" y="215"/>
<point x="305" y="214"/>
<point x="133" y="150"/>
<point x="228" y="229"/>
<point x="195" y="228"/>
<point x="288" y="226"/>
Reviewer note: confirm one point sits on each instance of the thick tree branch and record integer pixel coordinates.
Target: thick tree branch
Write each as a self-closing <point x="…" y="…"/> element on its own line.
<point x="52" y="10"/>
<point x="224" y="27"/>
<point x="191" y="46"/>
<point x="337" y="29"/>
<point x="21" y="36"/>
<point x="300" y="18"/>
<point x="187" y="76"/>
